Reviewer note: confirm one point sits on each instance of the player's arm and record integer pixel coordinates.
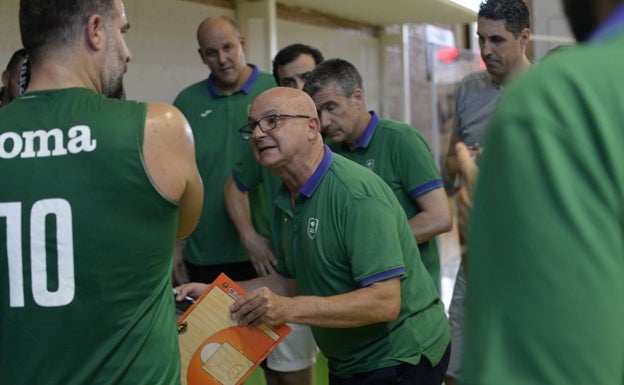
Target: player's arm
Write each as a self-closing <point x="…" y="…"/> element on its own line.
<point x="258" y="247"/>
<point x="180" y="272"/>
<point x="434" y="217"/>
<point x="169" y="153"/>
<point x="469" y="170"/>
<point x="450" y="161"/>
<point x="274" y="282"/>
<point x="378" y="302"/>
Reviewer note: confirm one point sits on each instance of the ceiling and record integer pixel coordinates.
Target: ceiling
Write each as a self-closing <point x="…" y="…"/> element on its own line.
<point x="387" y="12"/>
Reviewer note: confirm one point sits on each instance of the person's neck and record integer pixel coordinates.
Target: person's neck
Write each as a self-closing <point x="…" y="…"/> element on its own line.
<point x="298" y="171"/>
<point x="522" y="66"/>
<point x="58" y="73"/>
<point x="4" y="100"/>
<point x="360" y="128"/>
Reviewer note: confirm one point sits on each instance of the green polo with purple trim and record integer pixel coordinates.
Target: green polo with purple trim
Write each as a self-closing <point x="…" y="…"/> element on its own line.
<point x="348" y="231"/>
<point x="215" y="119"/>
<point x="400" y="156"/>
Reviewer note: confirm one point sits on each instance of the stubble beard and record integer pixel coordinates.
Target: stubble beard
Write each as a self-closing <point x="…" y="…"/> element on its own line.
<point x="112" y="76"/>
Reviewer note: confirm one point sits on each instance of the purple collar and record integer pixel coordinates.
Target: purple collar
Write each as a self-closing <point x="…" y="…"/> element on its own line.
<point x="370" y="130"/>
<point x="308" y="188"/>
<point x="214" y="93"/>
<point x="613" y="24"/>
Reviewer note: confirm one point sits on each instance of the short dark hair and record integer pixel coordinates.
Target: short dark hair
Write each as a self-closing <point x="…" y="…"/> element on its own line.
<point x="46" y="24"/>
<point x="514" y="12"/>
<point x="292" y="52"/>
<point x="15" y="60"/>
<point x="340" y="72"/>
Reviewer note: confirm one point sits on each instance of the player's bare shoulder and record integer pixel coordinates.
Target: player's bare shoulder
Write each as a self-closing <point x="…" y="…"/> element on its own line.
<point x="168" y="148"/>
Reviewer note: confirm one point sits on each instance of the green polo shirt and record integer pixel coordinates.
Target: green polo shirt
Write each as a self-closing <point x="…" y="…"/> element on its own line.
<point x="545" y="299"/>
<point x="348" y="231"/>
<point x="400" y="156"/>
<point x="215" y="119"/>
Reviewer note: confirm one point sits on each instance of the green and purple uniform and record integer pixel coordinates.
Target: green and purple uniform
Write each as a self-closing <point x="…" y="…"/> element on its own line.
<point x="86" y="245"/>
<point x="248" y="175"/>
<point x="348" y="231"/>
<point x="215" y="119"/>
<point x="400" y="156"/>
<point x="545" y="299"/>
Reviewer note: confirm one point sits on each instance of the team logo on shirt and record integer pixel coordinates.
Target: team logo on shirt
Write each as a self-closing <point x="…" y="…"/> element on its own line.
<point x="312" y="227"/>
<point x="370" y="164"/>
<point x="45" y="143"/>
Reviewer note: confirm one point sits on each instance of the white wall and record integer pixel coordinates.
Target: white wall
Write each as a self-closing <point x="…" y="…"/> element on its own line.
<point x="550" y="26"/>
<point x="162" y="39"/>
<point x="9" y="30"/>
<point x="362" y="50"/>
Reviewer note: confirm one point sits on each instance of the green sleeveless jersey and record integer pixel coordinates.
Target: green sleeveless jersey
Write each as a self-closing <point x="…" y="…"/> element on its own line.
<point x="86" y="245"/>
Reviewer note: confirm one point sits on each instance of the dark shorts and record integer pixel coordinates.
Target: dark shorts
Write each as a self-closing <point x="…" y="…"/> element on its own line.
<point x="404" y="374"/>
<point x="240" y="271"/>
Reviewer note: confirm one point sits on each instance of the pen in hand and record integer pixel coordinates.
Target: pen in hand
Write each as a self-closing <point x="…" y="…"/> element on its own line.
<point x="176" y="293"/>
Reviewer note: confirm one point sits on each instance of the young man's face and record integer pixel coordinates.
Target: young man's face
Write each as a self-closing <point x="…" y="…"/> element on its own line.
<point x="295" y="73"/>
<point x="500" y="49"/>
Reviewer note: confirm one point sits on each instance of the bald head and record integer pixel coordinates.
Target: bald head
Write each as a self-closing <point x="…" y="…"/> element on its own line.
<point x="286" y="134"/>
<point x="222" y="49"/>
<point x="283" y="100"/>
<point x="220" y="22"/>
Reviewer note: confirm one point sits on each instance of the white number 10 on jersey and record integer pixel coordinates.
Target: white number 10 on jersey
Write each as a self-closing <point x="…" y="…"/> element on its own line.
<point x="61" y="210"/>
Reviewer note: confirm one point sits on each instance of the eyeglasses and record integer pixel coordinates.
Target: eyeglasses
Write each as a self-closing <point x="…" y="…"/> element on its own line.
<point x="266" y="123"/>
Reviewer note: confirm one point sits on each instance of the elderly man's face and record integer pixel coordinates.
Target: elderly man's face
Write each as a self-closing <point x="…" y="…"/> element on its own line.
<point x="285" y="120"/>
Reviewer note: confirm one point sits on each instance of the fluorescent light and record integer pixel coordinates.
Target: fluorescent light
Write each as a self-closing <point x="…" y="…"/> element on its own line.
<point x="470" y="4"/>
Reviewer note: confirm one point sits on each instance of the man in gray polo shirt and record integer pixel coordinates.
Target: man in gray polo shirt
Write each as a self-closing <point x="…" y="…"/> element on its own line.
<point x="503" y="30"/>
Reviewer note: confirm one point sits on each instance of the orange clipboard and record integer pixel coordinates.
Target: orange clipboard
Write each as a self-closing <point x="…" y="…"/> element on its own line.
<point x="213" y="348"/>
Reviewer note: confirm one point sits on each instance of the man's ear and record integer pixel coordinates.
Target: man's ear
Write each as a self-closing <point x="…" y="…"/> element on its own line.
<point x="96" y="32"/>
<point x="357" y="98"/>
<point x="5" y="78"/>
<point x="201" y="55"/>
<point x="243" y="43"/>
<point x="525" y="36"/>
<point x="314" y="127"/>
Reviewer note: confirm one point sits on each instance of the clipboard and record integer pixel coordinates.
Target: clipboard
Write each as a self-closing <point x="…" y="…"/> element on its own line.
<point x="214" y="350"/>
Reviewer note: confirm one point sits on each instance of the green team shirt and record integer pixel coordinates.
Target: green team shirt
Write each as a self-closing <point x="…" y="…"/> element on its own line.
<point x="348" y="231"/>
<point x="248" y="175"/>
<point x="86" y="245"/>
<point x="399" y="155"/>
<point x="545" y="302"/>
<point x="215" y="119"/>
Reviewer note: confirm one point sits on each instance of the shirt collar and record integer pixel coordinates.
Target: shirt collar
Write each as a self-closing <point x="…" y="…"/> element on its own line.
<point x="370" y="130"/>
<point x="310" y="186"/>
<point x="613" y="24"/>
<point x="215" y="93"/>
